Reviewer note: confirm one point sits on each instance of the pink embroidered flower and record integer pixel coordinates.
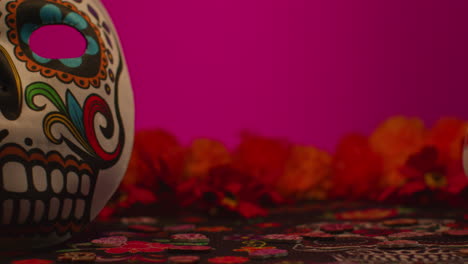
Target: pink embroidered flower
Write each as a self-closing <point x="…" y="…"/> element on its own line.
<point x="228" y="260"/>
<point x="113" y="241"/>
<point x="268" y="253"/>
<point x="184" y="248"/>
<point x="138" y="247"/>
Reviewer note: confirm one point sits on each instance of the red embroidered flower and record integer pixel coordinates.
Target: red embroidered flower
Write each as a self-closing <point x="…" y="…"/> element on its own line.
<point x="268" y="225"/>
<point x="32" y="261"/>
<point x="228" y="260"/>
<point x="138" y="247"/>
<point x="214" y="229"/>
<point x="193" y="219"/>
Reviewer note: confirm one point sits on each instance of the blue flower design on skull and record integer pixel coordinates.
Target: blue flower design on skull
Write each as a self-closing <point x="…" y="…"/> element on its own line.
<point x="52" y="15"/>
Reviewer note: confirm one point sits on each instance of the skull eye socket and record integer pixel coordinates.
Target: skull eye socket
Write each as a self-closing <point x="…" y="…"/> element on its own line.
<point x="10" y="87"/>
<point x="57" y="42"/>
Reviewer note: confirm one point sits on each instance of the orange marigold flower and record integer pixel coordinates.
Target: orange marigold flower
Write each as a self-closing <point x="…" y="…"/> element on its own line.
<point x="263" y="158"/>
<point x="447" y="136"/>
<point x="307" y="174"/>
<point x="205" y="154"/>
<point x="150" y="147"/>
<point x="356" y="168"/>
<point x="395" y="140"/>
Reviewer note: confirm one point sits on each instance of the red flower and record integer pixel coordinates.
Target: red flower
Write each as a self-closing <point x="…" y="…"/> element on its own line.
<point x="356" y="169"/>
<point x="263" y="158"/>
<point x="32" y="261"/>
<point x="230" y="190"/>
<point x="447" y="136"/>
<point x="425" y="172"/>
<point x="106" y="213"/>
<point x="228" y="260"/>
<point x="151" y="147"/>
<point x="136" y="194"/>
<point x="138" y="247"/>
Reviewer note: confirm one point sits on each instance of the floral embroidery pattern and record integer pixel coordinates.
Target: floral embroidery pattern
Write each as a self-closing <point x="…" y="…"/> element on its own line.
<point x="32" y="261"/>
<point x="228" y="260"/>
<point x="367" y="214"/>
<point x="241" y="237"/>
<point x="138" y="247"/>
<point x="214" y="229"/>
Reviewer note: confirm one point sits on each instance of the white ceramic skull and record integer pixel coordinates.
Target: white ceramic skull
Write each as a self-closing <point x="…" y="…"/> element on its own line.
<point x="66" y="125"/>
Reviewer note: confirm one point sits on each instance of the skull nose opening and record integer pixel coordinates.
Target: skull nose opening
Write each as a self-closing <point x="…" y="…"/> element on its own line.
<point x="10" y="87"/>
<point x="58" y="42"/>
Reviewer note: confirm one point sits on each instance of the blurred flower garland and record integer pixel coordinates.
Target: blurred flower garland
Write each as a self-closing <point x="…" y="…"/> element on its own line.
<point x="402" y="161"/>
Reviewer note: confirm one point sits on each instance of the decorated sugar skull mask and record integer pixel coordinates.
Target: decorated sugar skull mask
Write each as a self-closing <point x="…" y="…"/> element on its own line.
<point x="66" y="124"/>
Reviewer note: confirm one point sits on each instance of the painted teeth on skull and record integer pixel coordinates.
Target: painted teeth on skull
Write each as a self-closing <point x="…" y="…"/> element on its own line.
<point x="35" y="196"/>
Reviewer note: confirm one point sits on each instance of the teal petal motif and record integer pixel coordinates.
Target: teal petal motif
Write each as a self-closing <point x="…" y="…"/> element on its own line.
<point x="93" y="47"/>
<point x="75" y="20"/>
<point x="26" y="31"/>
<point x="39" y="58"/>
<point x="75" y="111"/>
<point x="50" y="14"/>
<point x="72" y="62"/>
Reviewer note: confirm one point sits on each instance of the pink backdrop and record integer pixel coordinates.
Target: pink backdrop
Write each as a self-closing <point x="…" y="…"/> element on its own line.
<point x="307" y="70"/>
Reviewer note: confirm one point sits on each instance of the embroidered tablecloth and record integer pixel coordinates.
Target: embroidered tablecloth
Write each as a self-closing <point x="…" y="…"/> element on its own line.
<point x="313" y="233"/>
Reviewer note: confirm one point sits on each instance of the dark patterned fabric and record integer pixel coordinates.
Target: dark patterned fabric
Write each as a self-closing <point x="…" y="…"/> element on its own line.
<point x="313" y="233"/>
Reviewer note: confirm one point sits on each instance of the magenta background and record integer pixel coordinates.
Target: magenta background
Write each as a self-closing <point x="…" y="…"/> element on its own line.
<point x="306" y="70"/>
